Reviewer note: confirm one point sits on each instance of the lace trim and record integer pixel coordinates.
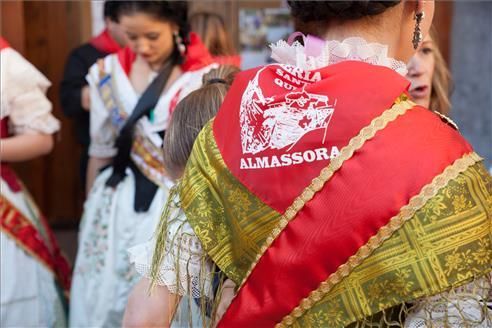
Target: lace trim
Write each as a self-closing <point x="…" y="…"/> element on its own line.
<point x="185" y="269"/>
<point x="400" y="107"/>
<point x="184" y="274"/>
<point x="333" y="52"/>
<point x="463" y="306"/>
<point x="406" y="212"/>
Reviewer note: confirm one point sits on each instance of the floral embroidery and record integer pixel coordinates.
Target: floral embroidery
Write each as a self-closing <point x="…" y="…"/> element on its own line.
<point x="204" y="237"/>
<point x="460" y="203"/>
<point x="240" y="200"/>
<point x="458" y="261"/>
<point x="96" y="245"/>
<point x="483" y="254"/>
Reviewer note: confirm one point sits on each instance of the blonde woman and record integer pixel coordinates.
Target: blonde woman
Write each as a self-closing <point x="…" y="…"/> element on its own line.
<point x="430" y="77"/>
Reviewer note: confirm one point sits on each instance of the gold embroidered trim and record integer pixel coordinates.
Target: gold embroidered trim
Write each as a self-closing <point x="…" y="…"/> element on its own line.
<point x="9" y="207"/>
<point x="400" y="107"/>
<point x="406" y="212"/>
<point x="148" y="158"/>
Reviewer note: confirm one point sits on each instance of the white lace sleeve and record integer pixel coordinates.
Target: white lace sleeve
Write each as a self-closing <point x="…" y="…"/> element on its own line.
<point x="464" y="306"/>
<point x="23" y="96"/>
<point x="185" y="269"/>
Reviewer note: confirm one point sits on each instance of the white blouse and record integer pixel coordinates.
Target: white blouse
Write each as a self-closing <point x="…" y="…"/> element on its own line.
<point x="23" y="96"/>
<point x="102" y="130"/>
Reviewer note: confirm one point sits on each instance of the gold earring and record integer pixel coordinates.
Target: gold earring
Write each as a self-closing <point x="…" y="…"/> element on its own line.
<point x="417" y="33"/>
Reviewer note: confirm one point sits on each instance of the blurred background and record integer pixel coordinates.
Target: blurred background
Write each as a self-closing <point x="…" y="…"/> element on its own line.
<point x="46" y="31"/>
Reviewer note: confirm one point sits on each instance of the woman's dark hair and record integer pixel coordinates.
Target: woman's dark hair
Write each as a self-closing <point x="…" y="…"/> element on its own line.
<point x="315" y="11"/>
<point x="169" y="11"/>
<point x="191" y="114"/>
<point x="111" y="8"/>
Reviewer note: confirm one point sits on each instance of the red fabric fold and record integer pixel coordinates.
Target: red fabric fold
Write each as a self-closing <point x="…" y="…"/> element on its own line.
<point x="105" y="43"/>
<point x="361" y="197"/>
<point x="18" y="227"/>
<point x="197" y="55"/>
<point x="339" y="83"/>
<point x="8" y="175"/>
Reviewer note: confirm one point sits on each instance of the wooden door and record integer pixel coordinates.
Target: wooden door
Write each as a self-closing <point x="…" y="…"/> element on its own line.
<point x="45" y="32"/>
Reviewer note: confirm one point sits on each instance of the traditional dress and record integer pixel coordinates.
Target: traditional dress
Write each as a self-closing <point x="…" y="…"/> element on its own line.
<point x="35" y="276"/>
<point x="113" y="219"/>
<point x="76" y="68"/>
<point x="331" y="200"/>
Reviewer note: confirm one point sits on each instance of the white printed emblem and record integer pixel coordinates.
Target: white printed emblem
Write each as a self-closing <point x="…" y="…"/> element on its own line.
<point x="266" y="124"/>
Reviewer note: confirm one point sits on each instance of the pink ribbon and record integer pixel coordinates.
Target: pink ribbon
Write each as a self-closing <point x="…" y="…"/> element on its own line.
<point x="312" y="44"/>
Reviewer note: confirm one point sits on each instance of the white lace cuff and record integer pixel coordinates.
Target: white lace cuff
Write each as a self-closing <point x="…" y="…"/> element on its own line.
<point x="185" y="268"/>
<point x="463" y="306"/>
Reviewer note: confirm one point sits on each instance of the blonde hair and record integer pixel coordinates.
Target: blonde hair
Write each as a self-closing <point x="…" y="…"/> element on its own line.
<point x="441" y="80"/>
<point x="211" y="29"/>
<point x="191" y="114"/>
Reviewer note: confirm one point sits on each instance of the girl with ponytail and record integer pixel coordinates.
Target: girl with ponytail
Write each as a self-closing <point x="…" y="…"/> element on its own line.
<point x="175" y="268"/>
<point x="133" y="95"/>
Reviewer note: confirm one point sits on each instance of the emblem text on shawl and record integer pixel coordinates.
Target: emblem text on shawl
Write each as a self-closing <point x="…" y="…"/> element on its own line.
<point x="269" y="123"/>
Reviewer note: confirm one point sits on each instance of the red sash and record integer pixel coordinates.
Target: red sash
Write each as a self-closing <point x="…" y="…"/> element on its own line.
<point x="27" y="236"/>
<point x="6" y="172"/>
<point x="105" y="43"/>
<point x="360" y="198"/>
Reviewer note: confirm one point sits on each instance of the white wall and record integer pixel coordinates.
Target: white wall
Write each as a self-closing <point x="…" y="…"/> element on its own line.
<point x="97" y="8"/>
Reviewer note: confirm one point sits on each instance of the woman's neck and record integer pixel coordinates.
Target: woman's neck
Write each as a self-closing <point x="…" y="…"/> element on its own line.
<point x="155" y="67"/>
<point x="382" y="30"/>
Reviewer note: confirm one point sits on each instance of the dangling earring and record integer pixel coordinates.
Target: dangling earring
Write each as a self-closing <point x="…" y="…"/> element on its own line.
<point x="178" y="40"/>
<point x="417" y="33"/>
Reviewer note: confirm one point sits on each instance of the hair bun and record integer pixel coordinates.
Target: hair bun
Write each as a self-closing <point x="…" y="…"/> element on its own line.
<point x="216" y="80"/>
<point x="312" y="11"/>
<point x="222" y="75"/>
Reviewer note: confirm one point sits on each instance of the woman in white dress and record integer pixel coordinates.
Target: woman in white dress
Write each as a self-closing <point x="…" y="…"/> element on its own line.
<point x="133" y="94"/>
<point x="34" y="274"/>
<point x="430" y="77"/>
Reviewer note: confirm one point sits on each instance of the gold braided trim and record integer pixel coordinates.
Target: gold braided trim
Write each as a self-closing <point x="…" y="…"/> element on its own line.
<point x="406" y="213"/>
<point x="400" y="107"/>
<point x="148" y="158"/>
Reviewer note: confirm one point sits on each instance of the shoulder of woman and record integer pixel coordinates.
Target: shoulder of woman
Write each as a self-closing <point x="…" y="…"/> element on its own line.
<point x="19" y="77"/>
<point x="19" y="71"/>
